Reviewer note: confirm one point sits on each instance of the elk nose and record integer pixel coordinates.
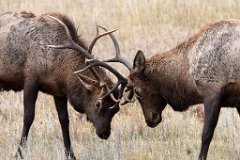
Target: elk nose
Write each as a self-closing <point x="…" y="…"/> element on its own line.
<point x="154" y="120"/>
<point x="104" y="135"/>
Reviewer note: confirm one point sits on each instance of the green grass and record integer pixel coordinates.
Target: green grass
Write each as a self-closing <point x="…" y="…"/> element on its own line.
<point x="152" y="26"/>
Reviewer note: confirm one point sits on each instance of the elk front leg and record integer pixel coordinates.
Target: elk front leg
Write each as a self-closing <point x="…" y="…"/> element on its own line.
<point x="61" y="106"/>
<point x="29" y="100"/>
<point x="211" y="111"/>
<point x="238" y="109"/>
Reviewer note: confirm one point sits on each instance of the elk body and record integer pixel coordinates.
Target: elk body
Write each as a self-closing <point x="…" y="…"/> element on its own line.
<point x="204" y="69"/>
<point x="27" y="63"/>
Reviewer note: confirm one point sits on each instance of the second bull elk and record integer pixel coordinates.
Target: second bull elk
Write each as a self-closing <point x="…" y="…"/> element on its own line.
<point x="204" y="69"/>
<point x="28" y="63"/>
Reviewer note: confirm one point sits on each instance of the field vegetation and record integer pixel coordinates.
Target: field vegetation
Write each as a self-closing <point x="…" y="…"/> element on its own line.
<point x="152" y="26"/>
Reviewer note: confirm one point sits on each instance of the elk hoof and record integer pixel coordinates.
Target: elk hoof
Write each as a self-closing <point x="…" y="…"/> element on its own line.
<point x="71" y="158"/>
<point x="70" y="155"/>
<point x="19" y="154"/>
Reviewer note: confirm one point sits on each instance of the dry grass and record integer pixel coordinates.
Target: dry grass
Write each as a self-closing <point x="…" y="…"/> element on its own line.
<point x="153" y="26"/>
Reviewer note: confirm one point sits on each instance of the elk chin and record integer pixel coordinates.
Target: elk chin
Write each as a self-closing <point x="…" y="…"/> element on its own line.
<point x="102" y="131"/>
<point x="104" y="134"/>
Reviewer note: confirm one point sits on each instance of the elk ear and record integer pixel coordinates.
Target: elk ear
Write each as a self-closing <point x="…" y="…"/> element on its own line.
<point x="87" y="81"/>
<point x="139" y="62"/>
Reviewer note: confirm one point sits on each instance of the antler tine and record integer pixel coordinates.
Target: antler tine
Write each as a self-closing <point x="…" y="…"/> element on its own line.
<point x="96" y="38"/>
<point x="123" y="85"/>
<point x="112" y="96"/>
<point x="114" y="41"/>
<point x="121" y="80"/>
<point x="108" y="67"/>
<point x="111" y="90"/>
<point x="72" y="44"/>
<point x="118" y="57"/>
<point x="120" y="95"/>
<point x="96" y="62"/>
<point x="129" y="97"/>
<point x="96" y="75"/>
<point x="99" y="80"/>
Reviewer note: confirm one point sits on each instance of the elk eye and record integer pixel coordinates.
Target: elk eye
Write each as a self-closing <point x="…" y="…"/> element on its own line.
<point x="97" y="104"/>
<point x="137" y="93"/>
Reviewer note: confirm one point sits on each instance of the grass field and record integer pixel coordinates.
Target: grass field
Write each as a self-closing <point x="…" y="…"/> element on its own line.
<point x="152" y="26"/>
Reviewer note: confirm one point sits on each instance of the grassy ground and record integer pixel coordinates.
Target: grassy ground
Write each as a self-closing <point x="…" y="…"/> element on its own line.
<point x="152" y="26"/>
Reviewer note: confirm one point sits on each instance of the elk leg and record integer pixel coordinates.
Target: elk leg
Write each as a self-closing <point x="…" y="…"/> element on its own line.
<point x="238" y="109"/>
<point x="61" y="106"/>
<point x="29" y="100"/>
<point x="211" y="111"/>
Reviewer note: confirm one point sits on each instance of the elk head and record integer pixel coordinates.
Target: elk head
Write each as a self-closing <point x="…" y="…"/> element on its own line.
<point x="145" y="91"/>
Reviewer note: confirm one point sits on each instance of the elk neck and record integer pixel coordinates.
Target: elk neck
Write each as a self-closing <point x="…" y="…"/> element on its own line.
<point x="170" y="75"/>
<point x="77" y="94"/>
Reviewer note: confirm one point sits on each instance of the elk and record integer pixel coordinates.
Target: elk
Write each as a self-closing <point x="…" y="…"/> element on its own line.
<point x="31" y="63"/>
<point x="203" y="69"/>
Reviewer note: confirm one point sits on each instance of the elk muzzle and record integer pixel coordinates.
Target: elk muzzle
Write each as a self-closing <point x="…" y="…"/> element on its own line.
<point x="103" y="134"/>
<point x="153" y="119"/>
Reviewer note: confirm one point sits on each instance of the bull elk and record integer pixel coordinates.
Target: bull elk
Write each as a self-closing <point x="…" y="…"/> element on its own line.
<point x="204" y="69"/>
<point x="30" y="63"/>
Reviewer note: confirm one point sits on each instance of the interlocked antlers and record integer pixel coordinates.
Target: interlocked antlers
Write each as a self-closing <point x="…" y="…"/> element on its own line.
<point x="91" y="62"/>
<point x="119" y="58"/>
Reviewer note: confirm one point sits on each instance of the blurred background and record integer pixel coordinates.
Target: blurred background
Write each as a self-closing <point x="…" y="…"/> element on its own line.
<point x="152" y="26"/>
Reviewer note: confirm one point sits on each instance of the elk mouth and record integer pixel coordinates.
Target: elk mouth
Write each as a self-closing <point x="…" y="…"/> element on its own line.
<point x="104" y="135"/>
<point x="151" y="125"/>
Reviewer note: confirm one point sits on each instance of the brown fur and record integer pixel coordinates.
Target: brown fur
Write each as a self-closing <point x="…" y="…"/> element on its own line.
<point x="203" y="69"/>
<point x="28" y="64"/>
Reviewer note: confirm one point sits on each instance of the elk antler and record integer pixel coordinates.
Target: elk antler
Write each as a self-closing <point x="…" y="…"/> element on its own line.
<point x="72" y="44"/>
<point x="91" y="62"/>
<point x="122" y="82"/>
<point x="87" y="54"/>
<point x="119" y="58"/>
<point x="129" y="97"/>
<point x="90" y="48"/>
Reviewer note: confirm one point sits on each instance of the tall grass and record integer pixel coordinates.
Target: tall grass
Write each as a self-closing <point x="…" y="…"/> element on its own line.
<point x="152" y="26"/>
